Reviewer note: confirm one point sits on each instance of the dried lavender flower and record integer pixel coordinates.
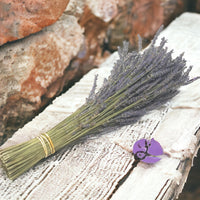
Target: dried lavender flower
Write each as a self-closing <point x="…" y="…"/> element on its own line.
<point x="138" y="83"/>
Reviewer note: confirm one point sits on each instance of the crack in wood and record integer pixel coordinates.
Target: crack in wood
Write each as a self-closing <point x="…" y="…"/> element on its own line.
<point x="123" y="179"/>
<point x="162" y="189"/>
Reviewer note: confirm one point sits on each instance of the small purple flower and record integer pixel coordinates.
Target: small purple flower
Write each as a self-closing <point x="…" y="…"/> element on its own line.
<point x="147" y="150"/>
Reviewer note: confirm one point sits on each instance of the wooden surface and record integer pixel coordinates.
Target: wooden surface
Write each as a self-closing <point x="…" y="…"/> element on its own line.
<point x="100" y="167"/>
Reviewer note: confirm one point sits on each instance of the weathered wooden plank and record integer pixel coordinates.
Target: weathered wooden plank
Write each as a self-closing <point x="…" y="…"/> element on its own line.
<point x="93" y="168"/>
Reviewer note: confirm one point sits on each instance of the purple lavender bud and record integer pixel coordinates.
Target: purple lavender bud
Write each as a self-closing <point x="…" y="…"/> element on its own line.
<point x="147" y="150"/>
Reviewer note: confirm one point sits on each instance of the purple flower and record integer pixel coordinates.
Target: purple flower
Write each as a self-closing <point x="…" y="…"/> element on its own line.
<point x="147" y="150"/>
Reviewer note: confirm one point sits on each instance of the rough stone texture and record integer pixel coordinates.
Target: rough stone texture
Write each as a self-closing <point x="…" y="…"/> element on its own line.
<point x="103" y="9"/>
<point x="108" y="23"/>
<point x="94" y="17"/>
<point x="22" y="18"/>
<point x="142" y="17"/>
<point x="33" y="70"/>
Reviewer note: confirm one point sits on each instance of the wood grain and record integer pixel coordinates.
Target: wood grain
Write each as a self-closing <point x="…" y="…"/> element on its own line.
<point x="100" y="167"/>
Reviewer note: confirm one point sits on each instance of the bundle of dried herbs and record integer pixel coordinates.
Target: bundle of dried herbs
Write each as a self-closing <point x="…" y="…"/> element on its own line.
<point x="139" y="82"/>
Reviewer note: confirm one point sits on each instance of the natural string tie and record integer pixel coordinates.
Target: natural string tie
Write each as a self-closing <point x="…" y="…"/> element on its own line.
<point x="46" y="142"/>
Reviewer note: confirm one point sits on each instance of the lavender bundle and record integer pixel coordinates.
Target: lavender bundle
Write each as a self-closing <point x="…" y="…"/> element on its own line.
<point x="139" y="82"/>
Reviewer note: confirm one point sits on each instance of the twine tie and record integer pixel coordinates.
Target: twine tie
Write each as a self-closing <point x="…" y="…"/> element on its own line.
<point x="46" y="142"/>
